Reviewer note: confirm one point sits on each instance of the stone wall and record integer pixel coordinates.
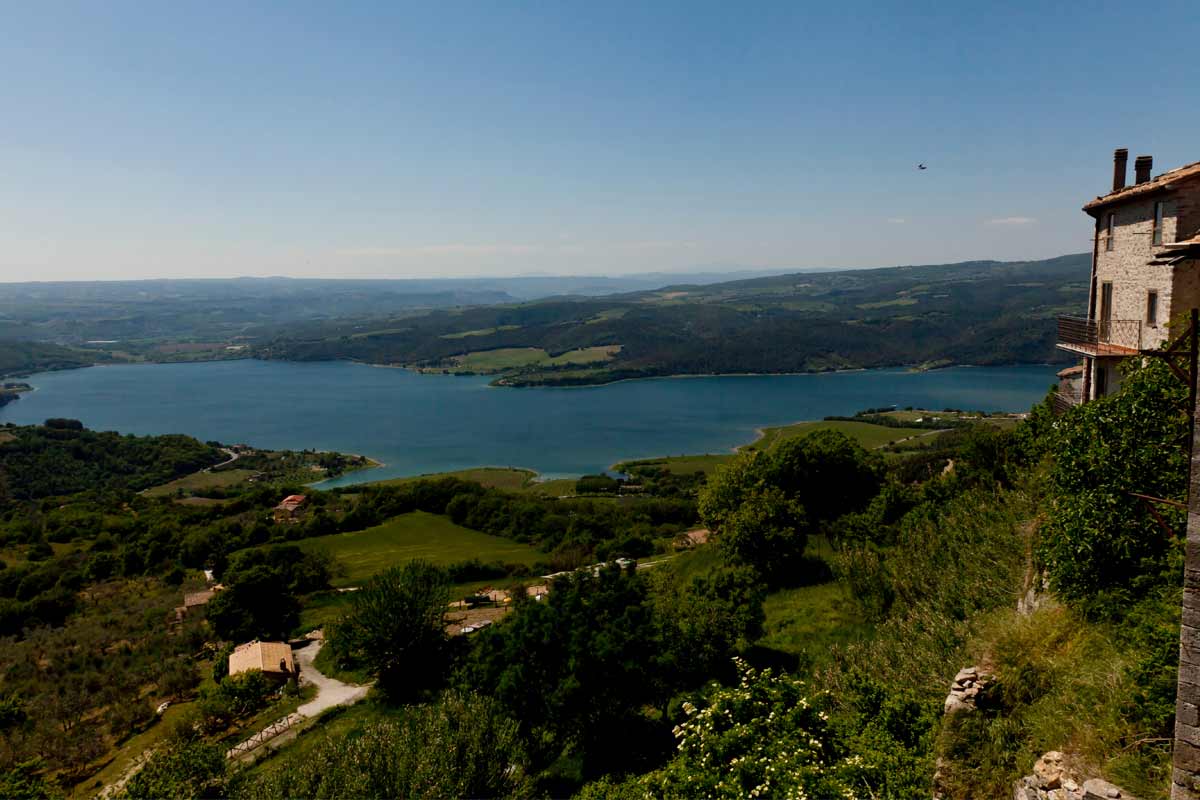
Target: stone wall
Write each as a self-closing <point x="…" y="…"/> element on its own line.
<point x="1186" y="773"/>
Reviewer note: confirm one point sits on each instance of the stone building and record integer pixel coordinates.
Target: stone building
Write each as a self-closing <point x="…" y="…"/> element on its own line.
<point x="273" y="659"/>
<point x="1145" y="272"/>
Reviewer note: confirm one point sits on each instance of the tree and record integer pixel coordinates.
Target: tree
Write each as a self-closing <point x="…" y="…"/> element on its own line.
<point x="706" y="621"/>
<point x="396" y="625"/>
<point x="764" y="505"/>
<point x="577" y="669"/>
<point x="257" y="606"/>
<point x="766" y="531"/>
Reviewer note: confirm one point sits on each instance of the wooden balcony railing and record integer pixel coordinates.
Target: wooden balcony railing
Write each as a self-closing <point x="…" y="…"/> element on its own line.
<point x="1112" y="337"/>
<point x="1066" y="398"/>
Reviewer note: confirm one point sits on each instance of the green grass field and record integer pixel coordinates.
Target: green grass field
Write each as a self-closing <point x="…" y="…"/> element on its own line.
<point x="201" y="480"/>
<point x="586" y="355"/>
<point x="868" y="435"/>
<point x="811" y="619"/>
<point x="510" y="358"/>
<point x="433" y="538"/>
<point x="479" y="332"/>
<point x="679" y="465"/>
<point x="508" y="478"/>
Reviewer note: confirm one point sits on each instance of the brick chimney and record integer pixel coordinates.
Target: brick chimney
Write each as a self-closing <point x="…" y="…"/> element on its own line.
<point x="1141" y="168"/>
<point x="1120" y="160"/>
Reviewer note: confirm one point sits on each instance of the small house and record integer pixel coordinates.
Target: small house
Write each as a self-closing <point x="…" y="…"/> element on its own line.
<point x="289" y="508"/>
<point x="195" y="600"/>
<point x="273" y="659"/>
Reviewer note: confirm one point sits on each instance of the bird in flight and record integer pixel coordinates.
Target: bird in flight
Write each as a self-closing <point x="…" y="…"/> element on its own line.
<point x="921" y="166"/>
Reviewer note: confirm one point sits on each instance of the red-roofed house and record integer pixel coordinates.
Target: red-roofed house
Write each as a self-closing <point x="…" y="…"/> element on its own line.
<point x="289" y="508"/>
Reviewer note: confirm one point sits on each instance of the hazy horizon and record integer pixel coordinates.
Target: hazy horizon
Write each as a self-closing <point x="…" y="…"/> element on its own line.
<point x="648" y="274"/>
<point x="370" y="140"/>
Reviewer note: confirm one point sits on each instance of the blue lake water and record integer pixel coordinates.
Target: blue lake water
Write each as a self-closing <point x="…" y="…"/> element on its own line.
<point x="419" y="424"/>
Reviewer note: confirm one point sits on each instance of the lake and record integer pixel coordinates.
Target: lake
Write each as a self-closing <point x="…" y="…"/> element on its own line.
<point x="419" y="424"/>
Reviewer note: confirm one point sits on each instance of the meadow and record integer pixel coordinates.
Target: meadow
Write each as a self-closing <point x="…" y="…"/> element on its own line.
<point x="871" y="437"/>
<point x="201" y="481"/>
<point x="418" y="535"/>
<point x="509" y="358"/>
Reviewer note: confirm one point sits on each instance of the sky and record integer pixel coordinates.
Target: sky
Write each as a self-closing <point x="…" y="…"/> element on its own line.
<point x="385" y="139"/>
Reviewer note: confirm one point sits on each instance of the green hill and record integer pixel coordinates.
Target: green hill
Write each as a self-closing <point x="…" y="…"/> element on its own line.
<point x="980" y="312"/>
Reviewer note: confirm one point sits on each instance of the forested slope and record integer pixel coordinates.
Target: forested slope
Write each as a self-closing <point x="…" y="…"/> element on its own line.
<point x="62" y="458"/>
<point x="972" y="313"/>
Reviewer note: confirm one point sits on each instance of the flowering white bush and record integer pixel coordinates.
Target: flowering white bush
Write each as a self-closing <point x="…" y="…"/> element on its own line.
<point x="764" y="737"/>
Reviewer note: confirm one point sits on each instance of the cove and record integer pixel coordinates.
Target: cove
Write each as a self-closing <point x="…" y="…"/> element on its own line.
<point x="418" y="424"/>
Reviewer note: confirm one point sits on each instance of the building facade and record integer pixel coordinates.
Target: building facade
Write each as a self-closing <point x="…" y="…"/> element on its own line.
<point x="1145" y="273"/>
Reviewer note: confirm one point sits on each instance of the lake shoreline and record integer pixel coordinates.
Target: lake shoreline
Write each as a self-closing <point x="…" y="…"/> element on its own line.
<point x="415" y="424"/>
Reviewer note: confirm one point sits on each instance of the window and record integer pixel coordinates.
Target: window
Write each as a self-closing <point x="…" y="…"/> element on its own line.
<point x="1106" y="299"/>
<point x="1152" y="309"/>
<point x="1158" y="222"/>
<point x="1108" y="241"/>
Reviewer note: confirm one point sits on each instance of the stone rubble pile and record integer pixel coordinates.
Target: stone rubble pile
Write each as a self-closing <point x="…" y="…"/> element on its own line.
<point x="968" y="685"/>
<point x="1053" y="780"/>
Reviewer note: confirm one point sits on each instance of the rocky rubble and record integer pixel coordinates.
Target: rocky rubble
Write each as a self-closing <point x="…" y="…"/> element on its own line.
<point x="968" y="685"/>
<point x="1052" y="779"/>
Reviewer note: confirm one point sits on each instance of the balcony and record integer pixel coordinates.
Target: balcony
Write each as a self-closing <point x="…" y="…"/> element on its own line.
<point x="1115" y="338"/>
<point x="1065" y="398"/>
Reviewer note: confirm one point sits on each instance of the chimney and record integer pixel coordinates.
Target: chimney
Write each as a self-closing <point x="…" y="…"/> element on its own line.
<point x="1141" y="168"/>
<point x="1120" y="160"/>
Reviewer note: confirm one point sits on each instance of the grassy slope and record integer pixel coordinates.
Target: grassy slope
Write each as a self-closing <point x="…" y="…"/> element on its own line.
<point x="507" y="478"/>
<point x="511" y="358"/>
<point x="868" y="435"/>
<point x="412" y="536"/>
<point x="200" y="481"/>
<point x="808" y="620"/>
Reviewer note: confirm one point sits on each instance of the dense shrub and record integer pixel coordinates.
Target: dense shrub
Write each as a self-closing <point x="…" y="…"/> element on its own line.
<point x="460" y="746"/>
<point x="1100" y="542"/>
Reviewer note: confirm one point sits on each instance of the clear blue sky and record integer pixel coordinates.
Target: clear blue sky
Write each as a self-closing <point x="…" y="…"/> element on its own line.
<point x="450" y="138"/>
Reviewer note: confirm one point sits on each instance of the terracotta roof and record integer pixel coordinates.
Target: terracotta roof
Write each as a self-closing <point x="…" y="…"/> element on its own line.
<point x="291" y="502"/>
<point x="1162" y="182"/>
<point x="1071" y="371"/>
<point x="263" y="656"/>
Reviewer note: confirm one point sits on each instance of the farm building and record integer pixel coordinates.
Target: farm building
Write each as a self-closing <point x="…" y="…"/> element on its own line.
<point x="272" y="658"/>
<point x="289" y="508"/>
<point x="195" y="600"/>
<point x="691" y="539"/>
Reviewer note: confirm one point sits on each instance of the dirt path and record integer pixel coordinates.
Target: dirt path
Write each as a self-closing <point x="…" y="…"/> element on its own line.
<point x="330" y="692"/>
<point x="233" y="456"/>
